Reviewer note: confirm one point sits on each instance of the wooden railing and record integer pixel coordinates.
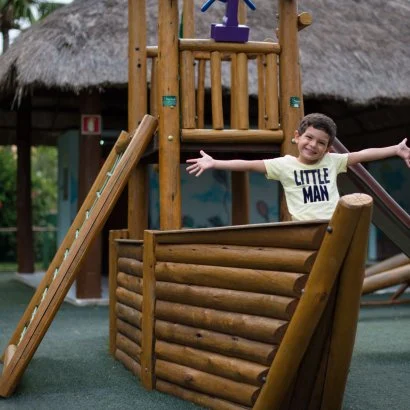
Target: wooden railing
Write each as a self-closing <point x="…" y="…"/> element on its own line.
<point x="199" y="55"/>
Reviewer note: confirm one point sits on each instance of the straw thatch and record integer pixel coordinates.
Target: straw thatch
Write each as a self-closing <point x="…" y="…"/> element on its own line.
<point x="355" y="50"/>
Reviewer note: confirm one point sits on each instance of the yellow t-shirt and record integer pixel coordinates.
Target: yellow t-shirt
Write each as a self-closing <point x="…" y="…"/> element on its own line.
<point x="311" y="190"/>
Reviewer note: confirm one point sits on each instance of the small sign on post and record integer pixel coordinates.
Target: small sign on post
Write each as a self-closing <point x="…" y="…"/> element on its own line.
<point x="90" y="124"/>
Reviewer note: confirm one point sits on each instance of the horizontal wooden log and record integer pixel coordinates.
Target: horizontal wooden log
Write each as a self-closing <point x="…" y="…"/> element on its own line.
<point x="239" y="370"/>
<point x="225" y="56"/>
<point x="279" y="307"/>
<point x="130" y="248"/>
<point x="130" y="266"/>
<point x="200" y="399"/>
<point x="152" y="51"/>
<point x="234" y="346"/>
<point x="129" y="315"/>
<point x="130" y="282"/>
<point x="128" y="346"/>
<point x="258" y="328"/>
<point x="130" y="331"/>
<point x="253" y="47"/>
<point x="129" y="298"/>
<point x="304" y="20"/>
<point x="220" y="387"/>
<point x="386" y="279"/>
<point x="232" y="136"/>
<point x="292" y="235"/>
<point x="273" y="259"/>
<point x="388" y="264"/>
<point x="132" y="365"/>
<point x="252" y="280"/>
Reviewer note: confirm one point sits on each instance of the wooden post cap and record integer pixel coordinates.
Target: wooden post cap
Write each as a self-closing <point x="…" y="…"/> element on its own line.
<point x="356" y="200"/>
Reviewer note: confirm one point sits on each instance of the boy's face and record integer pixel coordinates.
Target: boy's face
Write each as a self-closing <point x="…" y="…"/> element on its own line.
<point x="312" y="145"/>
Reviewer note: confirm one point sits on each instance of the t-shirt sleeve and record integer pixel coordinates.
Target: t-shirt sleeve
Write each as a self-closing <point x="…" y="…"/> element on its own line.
<point x="272" y="168"/>
<point x="340" y="161"/>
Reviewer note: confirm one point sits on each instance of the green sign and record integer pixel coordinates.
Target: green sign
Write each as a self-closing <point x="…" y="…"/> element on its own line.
<point x="295" y="102"/>
<point x="169" y="101"/>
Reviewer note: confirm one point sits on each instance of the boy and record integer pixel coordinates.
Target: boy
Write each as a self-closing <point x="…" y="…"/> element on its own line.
<point x="309" y="180"/>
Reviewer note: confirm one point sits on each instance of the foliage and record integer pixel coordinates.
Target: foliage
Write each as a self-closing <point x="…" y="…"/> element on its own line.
<point x="15" y="14"/>
<point x="44" y="196"/>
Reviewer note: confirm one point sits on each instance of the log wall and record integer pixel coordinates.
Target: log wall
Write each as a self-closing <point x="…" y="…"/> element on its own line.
<point x="222" y="299"/>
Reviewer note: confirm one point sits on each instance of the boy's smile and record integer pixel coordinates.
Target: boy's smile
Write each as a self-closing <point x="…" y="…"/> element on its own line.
<point x="312" y="145"/>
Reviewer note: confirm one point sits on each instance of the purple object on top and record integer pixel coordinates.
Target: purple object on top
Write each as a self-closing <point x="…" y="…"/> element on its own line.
<point x="230" y="30"/>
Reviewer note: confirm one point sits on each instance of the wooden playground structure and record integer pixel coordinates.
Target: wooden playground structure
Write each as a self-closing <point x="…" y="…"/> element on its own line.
<point x="248" y="316"/>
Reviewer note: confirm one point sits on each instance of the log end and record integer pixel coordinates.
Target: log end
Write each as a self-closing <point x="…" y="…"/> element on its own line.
<point x="356" y="200"/>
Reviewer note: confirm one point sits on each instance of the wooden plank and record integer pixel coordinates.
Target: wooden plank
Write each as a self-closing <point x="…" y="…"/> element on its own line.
<point x="130" y="282"/>
<point x="137" y="107"/>
<point x="130" y="266"/>
<point x="130" y="331"/>
<point x="259" y="304"/>
<point x="148" y="312"/>
<point x="216" y="92"/>
<point x="204" y="400"/>
<point x="311" y="305"/>
<point x="278" y="259"/>
<point x="129" y="298"/>
<point x="234" y="136"/>
<point x="169" y="115"/>
<point x="132" y="365"/>
<point x="70" y="255"/>
<point x="347" y="312"/>
<point x="129" y="248"/>
<point x="292" y="235"/>
<point x="243" y="92"/>
<point x="129" y="314"/>
<point x="262" y="329"/>
<point x="386" y="279"/>
<point x="261" y="92"/>
<point x="128" y="346"/>
<point x="252" y="47"/>
<point x="187" y="90"/>
<point x="239" y="370"/>
<point x="272" y="93"/>
<point x="235" y="346"/>
<point x="251" y="280"/>
<point x="200" y="95"/>
<point x="240" y="393"/>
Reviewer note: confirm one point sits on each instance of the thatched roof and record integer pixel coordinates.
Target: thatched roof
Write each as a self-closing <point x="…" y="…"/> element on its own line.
<point x="355" y="50"/>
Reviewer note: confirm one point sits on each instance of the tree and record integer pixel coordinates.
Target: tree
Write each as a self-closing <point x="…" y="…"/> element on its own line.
<point x="14" y="13"/>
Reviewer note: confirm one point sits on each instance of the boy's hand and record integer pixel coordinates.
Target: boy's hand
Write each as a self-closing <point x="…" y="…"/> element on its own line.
<point x="403" y="151"/>
<point x="199" y="165"/>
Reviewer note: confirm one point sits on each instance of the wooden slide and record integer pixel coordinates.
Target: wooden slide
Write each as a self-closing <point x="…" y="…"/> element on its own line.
<point x="243" y="317"/>
<point x="63" y="269"/>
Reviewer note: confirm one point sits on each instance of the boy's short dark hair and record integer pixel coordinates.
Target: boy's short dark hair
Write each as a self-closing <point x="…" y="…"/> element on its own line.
<point x="320" y="122"/>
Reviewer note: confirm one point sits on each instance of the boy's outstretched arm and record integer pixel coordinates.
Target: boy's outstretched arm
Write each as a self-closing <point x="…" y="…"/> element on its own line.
<point x="371" y="154"/>
<point x="199" y="165"/>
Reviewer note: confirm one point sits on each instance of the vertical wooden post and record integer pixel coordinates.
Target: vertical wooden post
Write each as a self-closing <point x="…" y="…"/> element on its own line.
<point x="240" y="119"/>
<point x="89" y="278"/>
<point x="346" y="314"/>
<point x="200" y="96"/>
<point x="25" y="247"/>
<point x="169" y="128"/>
<point x="189" y="19"/>
<point x="289" y="79"/>
<point x="216" y="91"/>
<point x="137" y="108"/>
<point x="148" y="312"/>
